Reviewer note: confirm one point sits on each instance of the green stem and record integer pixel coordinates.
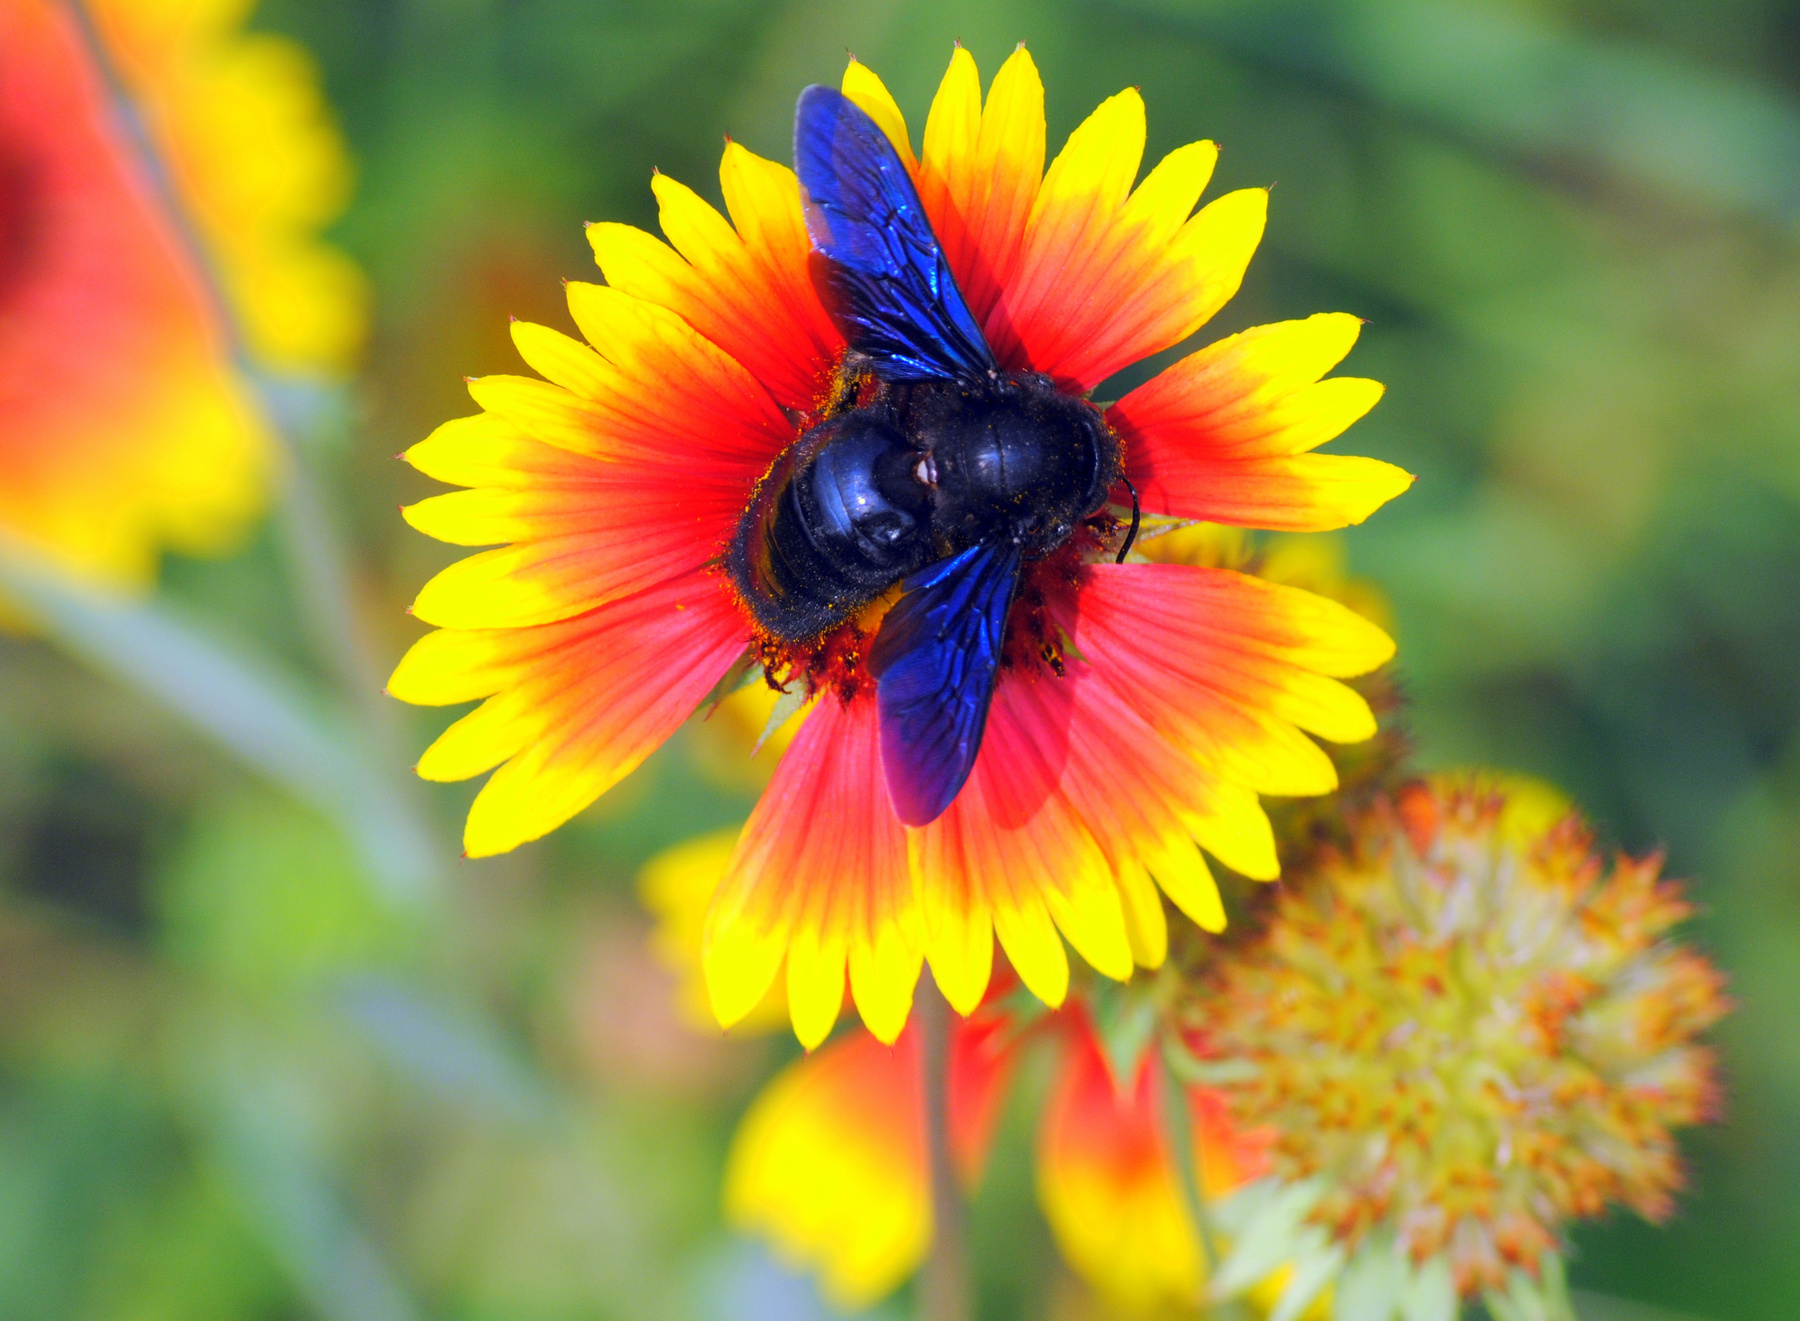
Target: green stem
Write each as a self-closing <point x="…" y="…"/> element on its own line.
<point x="315" y="549"/>
<point x="1178" y="1127"/>
<point x="943" y="1292"/>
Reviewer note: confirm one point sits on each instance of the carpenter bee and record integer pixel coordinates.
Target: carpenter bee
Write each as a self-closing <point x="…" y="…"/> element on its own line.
<point x="934" y="468"/>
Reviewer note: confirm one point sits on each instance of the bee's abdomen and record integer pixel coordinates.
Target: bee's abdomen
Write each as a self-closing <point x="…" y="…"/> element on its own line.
<point x="840" y="518"/>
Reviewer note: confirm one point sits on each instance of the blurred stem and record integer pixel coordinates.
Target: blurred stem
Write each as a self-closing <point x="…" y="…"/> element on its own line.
<point x="944" y="1285"/>
<point x="314" y="545"/>
<point x="1178" y="1126"/>
<point x="323" y="582"/>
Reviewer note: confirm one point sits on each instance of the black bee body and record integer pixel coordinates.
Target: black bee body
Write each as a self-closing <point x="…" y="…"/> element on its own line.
<point x="922" y="472"/>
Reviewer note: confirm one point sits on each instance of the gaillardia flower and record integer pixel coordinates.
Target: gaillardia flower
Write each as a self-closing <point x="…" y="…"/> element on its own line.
<point x="1465" y="1031"/>
<point x="1137" y="709"/>
<point x="830" y="1164"/>
<point x="125" y="428"/>
<point x="239" y="123"/>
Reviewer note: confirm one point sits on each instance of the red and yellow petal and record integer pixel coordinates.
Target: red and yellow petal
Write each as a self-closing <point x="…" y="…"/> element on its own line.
<point x="1138" y="796"/>
<point x="544" y="580"/>
<point x="571" y="711"/>
<point x="1109" y="275"/>
<point x="1224" y="435"/>
<point x="1302" y="493"/>
<point x="1239" y="667"/>
<point x="743" y="285"/>
<point x="1108" y="1185"/>
<point x="979" y="172"/>
<point x="1010" y="851"/>
<point x="820" y="876"/>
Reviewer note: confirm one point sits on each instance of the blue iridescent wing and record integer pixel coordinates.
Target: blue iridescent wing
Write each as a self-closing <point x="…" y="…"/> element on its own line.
<point x="934" y="661"/>
<point x="877" y="264"/>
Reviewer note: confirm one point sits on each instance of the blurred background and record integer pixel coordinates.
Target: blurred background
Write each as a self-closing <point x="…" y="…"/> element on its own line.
<point x="269" y="1049"/>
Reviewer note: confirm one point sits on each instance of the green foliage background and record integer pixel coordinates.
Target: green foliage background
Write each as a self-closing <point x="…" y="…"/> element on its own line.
<point x="249" y="1070"/>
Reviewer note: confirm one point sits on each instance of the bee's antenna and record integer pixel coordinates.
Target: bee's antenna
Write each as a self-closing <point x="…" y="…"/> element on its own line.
<point x="1136" y="514"/>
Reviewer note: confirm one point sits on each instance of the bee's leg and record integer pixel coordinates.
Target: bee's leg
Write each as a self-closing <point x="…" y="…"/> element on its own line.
<point x="1136" y="517"/>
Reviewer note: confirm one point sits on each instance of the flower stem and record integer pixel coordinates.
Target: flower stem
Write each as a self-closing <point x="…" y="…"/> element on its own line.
<point x="1178" y="1131"/>
<point x="943" y="1292"/>
<point x="314" y="548"/>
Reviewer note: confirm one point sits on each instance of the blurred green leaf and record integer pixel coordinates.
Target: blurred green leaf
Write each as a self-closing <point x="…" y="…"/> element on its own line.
<point x="184" y="1254"/>
<point x="266" y="894"/>
<point x="1525" y="83"/>
<point x="344" y="1275"/>
<point x="1603" y="1307"/>
<point x="256" y="715"/>
<point x="451" y="1052"/>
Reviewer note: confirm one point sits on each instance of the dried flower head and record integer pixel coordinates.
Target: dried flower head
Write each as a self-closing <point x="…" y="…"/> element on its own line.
<point x="1468" y="1031"/>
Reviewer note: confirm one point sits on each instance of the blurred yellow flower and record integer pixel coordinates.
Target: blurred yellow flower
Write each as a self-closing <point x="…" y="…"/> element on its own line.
<point x="124" y="427"/>
<point x="829" y="1167"/>
<point x="127" y="429"/>
<point x="243" y="129"/>
<point x="829" y="1164"/>
<point x="677" y="887"/>
<point x="1111" y="1187"/>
